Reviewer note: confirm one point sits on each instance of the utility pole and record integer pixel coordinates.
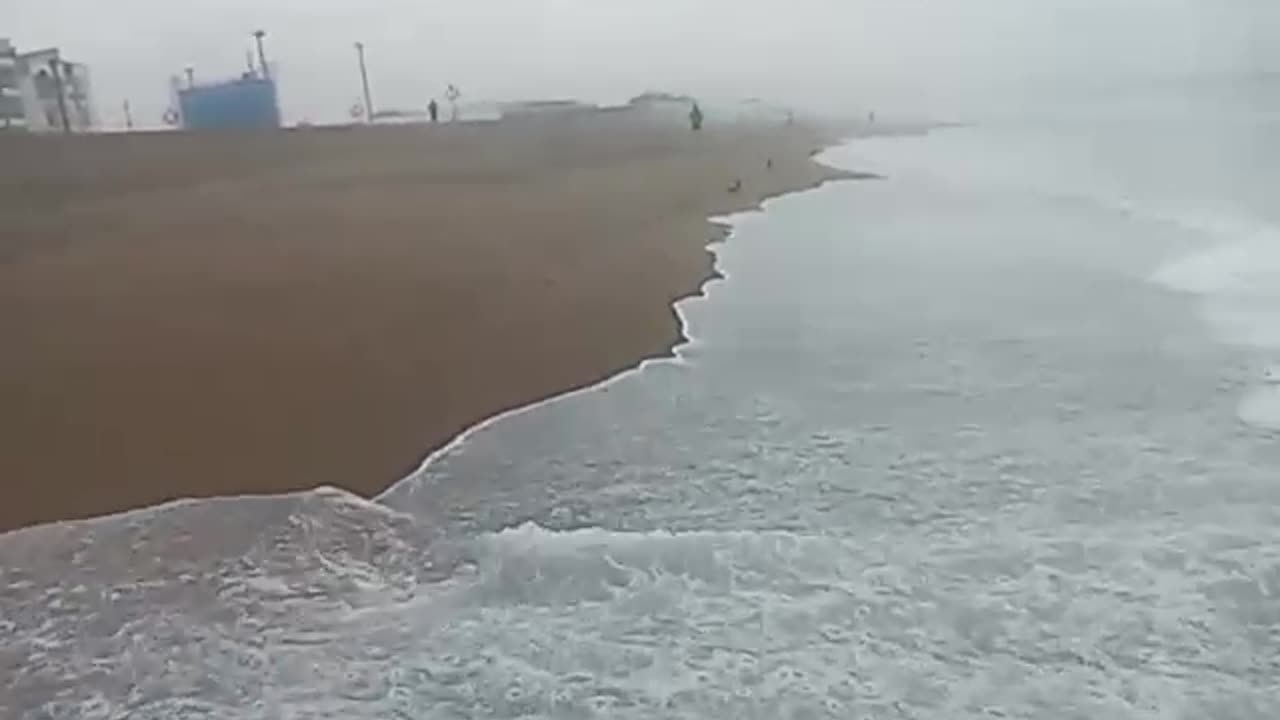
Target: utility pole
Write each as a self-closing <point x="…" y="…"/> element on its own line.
<point x="364" y="81"/>
<point x="62" y="99"/>
<point x="262" y="55"/>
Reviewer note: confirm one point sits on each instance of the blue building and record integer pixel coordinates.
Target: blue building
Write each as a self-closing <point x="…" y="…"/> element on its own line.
<point x="246" y="103"/>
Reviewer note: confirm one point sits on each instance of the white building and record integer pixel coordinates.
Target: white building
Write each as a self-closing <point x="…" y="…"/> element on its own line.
<point x="30" y="86"/>
<point x="11" y="112"/>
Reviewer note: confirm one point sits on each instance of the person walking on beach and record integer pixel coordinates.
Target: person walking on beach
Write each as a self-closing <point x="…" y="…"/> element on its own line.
<point x="695" y="117"/>
<point x="433" y="109"/>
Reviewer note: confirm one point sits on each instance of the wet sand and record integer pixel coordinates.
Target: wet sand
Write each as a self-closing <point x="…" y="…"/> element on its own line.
<point x="197" y="315"/>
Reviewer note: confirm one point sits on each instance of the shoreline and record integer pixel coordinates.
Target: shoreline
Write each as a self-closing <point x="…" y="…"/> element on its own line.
<point x="669" y="234"/>
<point x="722" y="228"/>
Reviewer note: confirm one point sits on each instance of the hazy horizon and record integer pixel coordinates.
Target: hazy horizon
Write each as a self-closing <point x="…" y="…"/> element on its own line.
<point x="906" y="57"/>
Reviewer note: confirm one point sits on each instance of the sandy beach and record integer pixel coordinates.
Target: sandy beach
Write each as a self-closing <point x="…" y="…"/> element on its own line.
<point x="195" y="315"/>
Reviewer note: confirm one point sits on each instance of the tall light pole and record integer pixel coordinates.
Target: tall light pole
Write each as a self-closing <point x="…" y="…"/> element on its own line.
<point x="262" y="55"/>
<point x="364" y="82"/>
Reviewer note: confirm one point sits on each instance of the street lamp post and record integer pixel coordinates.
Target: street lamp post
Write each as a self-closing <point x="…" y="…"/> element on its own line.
<point x="262" y="55"/>
<point x="364" y="82"/>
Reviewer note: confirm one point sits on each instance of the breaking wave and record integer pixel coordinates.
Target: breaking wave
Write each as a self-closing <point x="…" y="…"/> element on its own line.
<point x="323" y="605"/>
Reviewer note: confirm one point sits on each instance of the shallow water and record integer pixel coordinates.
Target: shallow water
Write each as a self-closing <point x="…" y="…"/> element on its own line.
<point x="981" y="439"/>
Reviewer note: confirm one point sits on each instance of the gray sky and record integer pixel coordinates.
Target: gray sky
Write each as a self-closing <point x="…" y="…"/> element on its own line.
<point x="907" y="55"/>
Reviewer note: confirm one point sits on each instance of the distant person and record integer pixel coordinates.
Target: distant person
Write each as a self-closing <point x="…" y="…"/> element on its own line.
<point x="433" y="109"/>
<point x="695" y="117"/>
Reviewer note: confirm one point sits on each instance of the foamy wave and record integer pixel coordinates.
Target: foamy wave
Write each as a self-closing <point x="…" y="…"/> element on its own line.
<point x="1238" y="282"/>
<point x="596" y="623"/>
<point x="786" y="625"/>
<point x="205" y="608"/>
<point x="1246" y="266"/>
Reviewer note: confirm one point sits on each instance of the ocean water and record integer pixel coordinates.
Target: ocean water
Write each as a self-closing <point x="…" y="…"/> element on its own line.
<point x="993" y="437"/>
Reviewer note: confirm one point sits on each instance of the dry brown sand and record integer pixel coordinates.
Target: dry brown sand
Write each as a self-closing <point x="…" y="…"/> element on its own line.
<point x="194" y="315"/>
